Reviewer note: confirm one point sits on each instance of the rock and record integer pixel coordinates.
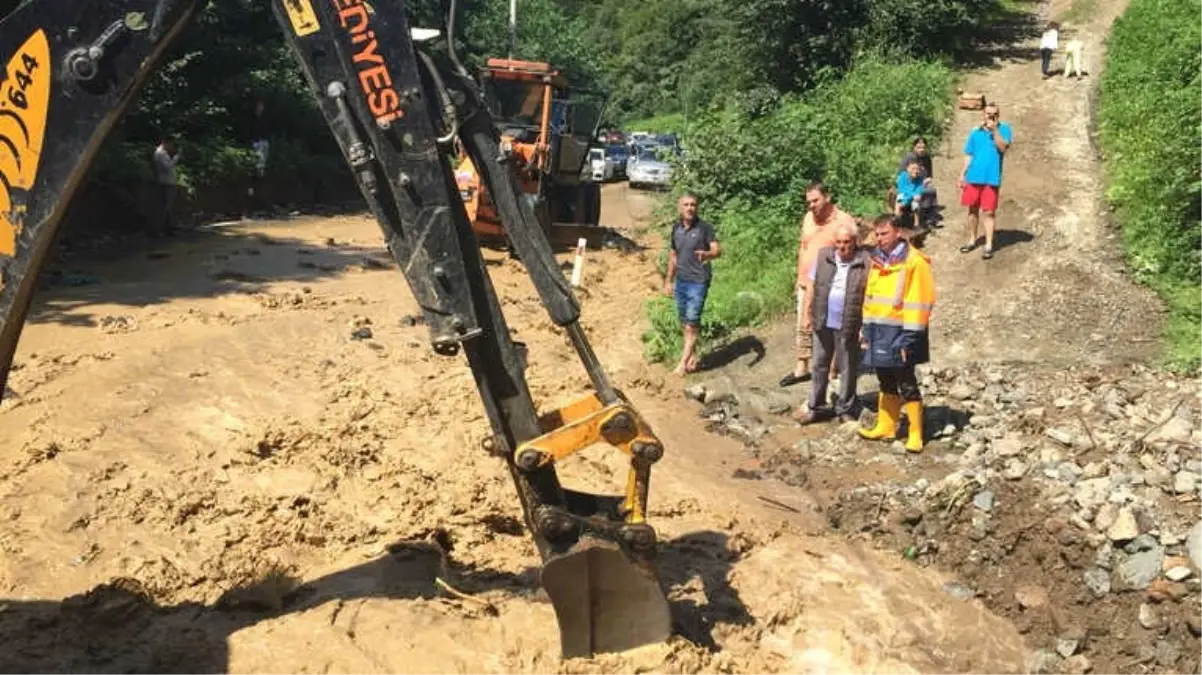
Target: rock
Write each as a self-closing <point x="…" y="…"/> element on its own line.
<point x="1161" y="590"/>
<point x="1178" y="573"/>
<point x="1095" y="470"/>
<point x="1194" y="624"/>
<point x="1044" y="662"/>
<point x="958" y="590"/>
<point x="1125" y="528"/>
<point x="1105" y="555"/>
<point x="1106" y="516"/>
<point x="1051" y="456"/>
<point x="1193" y="544"/>
<point x="1015" y="469"/>
<point x="361" y="333"/>
<point x="1062" y="436"/>
<point x="1144" y="542"/>
<point x="961" y="391"/>
<point x="1167" y="654"/>
<point x="948" y="430"/>
<point x="1091" y="493"/>
<point x="1147" y="617"/>
<point x="1175" y="431"/>
<point x="696" y="393"/>
<point x="1098" y="581"/>
<point x="1014" y="396"/>
<point x="1068" y="472"/>
<point x="1078" y="664"/>
<point x="1140" y="569"/>
<point x="1007" y="447"/>
<point x="1068" y="644"/>
<point x="1062" y="402"/>
<point x="983" y="500"/>
<point x="1031" y="597"/>
<point x="1185" y="482"/>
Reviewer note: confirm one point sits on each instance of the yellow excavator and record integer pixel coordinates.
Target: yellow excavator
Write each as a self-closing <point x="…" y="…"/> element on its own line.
<point x="398" y="113"/>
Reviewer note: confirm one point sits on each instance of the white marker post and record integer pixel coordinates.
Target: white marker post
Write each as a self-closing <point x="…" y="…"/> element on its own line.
<point x="578" y="264"/>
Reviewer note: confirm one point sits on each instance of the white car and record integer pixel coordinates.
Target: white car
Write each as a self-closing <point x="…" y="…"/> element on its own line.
<point x="647" y="169"/>
<point x="601" y="165"/>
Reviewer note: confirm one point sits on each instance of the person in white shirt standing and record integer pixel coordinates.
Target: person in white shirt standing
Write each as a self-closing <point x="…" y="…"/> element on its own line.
<point x="1047" y="46"/>
<point x="166" y="158"/>
<point x="834" y="311"/>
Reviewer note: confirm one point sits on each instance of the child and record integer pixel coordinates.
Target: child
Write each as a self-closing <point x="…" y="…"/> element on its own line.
<point x="1047" y="46"/>
<point x="910" y="185"/>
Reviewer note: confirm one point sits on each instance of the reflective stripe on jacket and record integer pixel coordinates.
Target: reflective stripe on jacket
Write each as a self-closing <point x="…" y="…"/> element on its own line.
<point x="897" y="309"/>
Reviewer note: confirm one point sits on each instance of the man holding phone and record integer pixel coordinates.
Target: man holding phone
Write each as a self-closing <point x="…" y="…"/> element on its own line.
<point x="981" y="177"/>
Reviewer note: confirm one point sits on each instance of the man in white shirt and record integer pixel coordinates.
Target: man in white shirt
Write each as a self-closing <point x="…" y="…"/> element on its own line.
<point x="166" y="158"/>
<point x="834" y="312"/>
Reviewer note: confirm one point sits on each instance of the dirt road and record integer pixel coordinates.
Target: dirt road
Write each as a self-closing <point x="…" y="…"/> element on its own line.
<point x="203" y="470"/>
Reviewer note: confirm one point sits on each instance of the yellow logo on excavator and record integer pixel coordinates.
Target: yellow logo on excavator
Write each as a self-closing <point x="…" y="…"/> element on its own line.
<point x="302" y="17"/>
<point x="24" y="100"/>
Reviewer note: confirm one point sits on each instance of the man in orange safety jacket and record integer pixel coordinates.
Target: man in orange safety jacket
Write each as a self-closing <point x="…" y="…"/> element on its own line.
<point x="897" y="312"/>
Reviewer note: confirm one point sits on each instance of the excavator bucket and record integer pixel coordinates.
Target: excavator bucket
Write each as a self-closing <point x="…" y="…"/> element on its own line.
<point x="603" y="601"/>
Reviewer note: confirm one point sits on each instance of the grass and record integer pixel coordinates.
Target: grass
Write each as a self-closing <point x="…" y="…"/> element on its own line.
<point x="1149" y="132"/>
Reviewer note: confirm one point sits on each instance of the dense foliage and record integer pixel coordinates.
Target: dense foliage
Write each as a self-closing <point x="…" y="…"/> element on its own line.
<point x="1150" y="135"/>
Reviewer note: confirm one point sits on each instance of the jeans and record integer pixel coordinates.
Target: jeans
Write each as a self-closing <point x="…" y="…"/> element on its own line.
<point x="690" y="301"/>
<point x="845" y="349"/>
<point x="1045" y="60"/>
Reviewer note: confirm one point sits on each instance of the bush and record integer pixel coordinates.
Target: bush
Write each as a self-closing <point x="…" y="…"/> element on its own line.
<point x="749" y="172"/>
<point x="1150" y="134"/>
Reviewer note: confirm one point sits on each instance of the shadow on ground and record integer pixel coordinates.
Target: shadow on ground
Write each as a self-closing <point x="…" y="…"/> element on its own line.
<point x="117" y="627"/>
<point x="195" y="264"/>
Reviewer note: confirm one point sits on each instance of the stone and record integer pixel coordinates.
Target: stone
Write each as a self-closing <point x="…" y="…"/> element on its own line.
<point x="1106" y="516"/>
<point x="1125" y="528"/>
<point x="1193" y="544"/>
<point x="1185" y="482"/>
<point x="1140" y="569"/>
<point x="1105" y="555"/>
<point x="1091" y="492"/>
<point x="1051" y="455"/>
<point x="1167" y="654"/>
<point x="1008" y="447"/>
<point x="696" y="392"/>
<point x="1163" y="590"/>
<point x="1077" y="664"/>
<point x="1029" y="596"/>
<point x="1098" y="581"/>
<point x="1068" y="472"/>
<point x="1044" y="662"/>
<point x="1067" y="645"/>
<point x="1095" y="470"/>
<point x="1147" y="617"/>
<point x="983" y="500"/>
<point x="1194" y="624"/>
<point x="1014" y="396"/>
<point x="958" y="590"/>
<point x="1062" y="436"/>
<point x="961" y="391"/>
<point x="1015" y="469"/>
<point x="1144" y="542"/>
<point x="1175" y="431"/>
<point x="1062" y="402"/>
<point x="1179" y="573"/>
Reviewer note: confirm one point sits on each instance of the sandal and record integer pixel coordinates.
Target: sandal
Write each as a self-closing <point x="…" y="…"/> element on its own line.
<point x="987" y="254"/>
<point x="968" y="248"/>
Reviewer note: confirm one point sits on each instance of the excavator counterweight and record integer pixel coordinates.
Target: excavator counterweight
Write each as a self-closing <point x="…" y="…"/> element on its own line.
<point x="72" y="68"/>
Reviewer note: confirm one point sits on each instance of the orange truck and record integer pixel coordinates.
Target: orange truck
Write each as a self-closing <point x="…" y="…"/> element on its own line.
<point x="546" y="134"/>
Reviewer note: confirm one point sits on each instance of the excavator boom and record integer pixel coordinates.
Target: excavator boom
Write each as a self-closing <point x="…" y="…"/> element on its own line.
<point x="71" y="69"/>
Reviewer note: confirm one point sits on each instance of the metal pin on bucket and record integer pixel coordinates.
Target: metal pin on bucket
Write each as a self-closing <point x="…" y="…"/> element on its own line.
<point x="578" y="263"/>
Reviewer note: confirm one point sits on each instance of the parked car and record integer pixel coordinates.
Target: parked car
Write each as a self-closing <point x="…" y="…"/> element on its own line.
<point x="647" y="169"/>
<point x="620" y="156"/>
<point x="601" y="165"/>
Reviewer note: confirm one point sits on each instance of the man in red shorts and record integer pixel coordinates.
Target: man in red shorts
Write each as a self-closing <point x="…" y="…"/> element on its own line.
<point x="981" y="178"/>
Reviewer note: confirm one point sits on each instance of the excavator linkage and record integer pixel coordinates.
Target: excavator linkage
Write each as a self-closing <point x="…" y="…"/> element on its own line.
<point x="74" y="66"/>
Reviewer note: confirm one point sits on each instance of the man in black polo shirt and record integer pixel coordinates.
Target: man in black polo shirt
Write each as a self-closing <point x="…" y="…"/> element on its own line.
<point x="693" y="246"/>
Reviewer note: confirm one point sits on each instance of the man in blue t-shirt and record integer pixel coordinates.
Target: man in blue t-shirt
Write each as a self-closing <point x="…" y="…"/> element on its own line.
<point x="981" y="178"/>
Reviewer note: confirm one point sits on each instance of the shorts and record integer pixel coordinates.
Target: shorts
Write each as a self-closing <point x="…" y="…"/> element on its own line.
<point x="690" y="301"/>
<point x="983" y="197"/>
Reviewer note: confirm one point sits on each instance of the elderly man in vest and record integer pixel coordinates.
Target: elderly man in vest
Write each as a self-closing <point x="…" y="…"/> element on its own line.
<point x="897" y="312"/>
<point x="833" y="312"/>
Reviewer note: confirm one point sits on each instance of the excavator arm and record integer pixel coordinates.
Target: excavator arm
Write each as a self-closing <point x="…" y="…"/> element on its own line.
<point x="72" y="68"/>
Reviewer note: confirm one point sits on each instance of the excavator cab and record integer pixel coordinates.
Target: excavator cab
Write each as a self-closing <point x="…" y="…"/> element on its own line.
<point x="546" y="131"/>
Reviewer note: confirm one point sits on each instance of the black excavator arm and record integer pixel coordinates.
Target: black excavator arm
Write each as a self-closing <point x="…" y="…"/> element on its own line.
<point x="72" y="67"/>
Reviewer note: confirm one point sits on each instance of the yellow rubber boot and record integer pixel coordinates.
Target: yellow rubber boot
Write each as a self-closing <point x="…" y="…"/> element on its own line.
<point x="888" y="413"/>
<point x="914" y="438"/>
